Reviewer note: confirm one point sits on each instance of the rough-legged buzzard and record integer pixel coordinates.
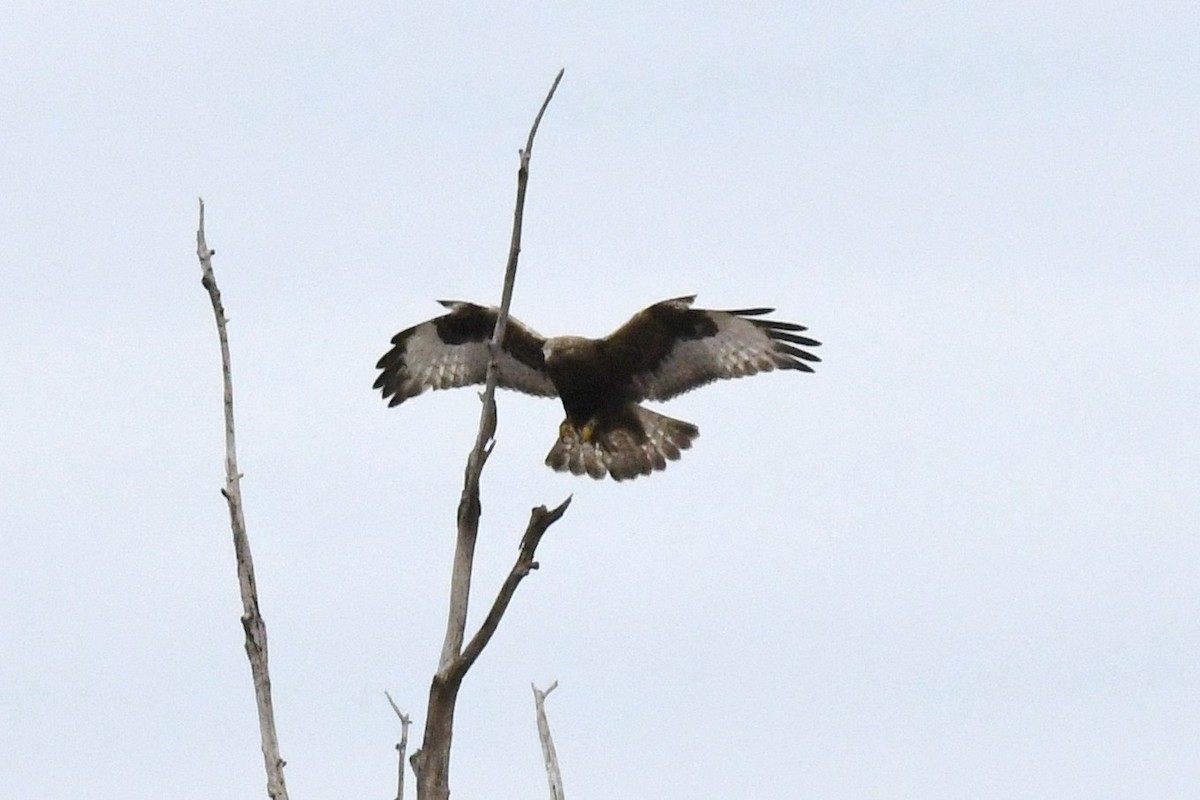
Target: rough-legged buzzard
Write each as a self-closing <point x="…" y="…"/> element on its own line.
<point x="664" y="350"/>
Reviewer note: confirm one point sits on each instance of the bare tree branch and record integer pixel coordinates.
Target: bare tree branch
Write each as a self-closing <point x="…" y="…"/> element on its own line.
<point x="432" y="762"/>
<point x="548" y="754"/>
<point x="468" y="505"/>
<point x="402" y="745"/>
<point x="540" y="521"/>
<point x="252" y="622"/>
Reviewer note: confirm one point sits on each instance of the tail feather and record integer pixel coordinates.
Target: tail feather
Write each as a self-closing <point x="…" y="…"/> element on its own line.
<point x="620" y="451"/>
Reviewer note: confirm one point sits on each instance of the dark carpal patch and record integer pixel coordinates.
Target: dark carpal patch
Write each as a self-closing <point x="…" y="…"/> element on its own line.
<point x="685" y="323"/>
<point x="468" y="324"/>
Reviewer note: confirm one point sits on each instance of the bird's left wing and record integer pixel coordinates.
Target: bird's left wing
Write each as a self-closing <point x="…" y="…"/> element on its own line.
<point x="452" y="350"/>
<point x="670" y="347"/>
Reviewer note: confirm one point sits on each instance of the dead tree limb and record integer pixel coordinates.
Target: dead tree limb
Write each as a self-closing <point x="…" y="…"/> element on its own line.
<point x="252" y="622"/>
<point x="432" y="762"/>
<point x="540" y="521"/>
<point x="543" y="725"/>
<point x="468" y="505"/>
<point x="402" y="745"/>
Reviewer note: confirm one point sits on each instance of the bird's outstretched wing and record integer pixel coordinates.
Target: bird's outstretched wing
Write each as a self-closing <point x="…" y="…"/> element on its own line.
<point x="670" y="347"/>
<point x="452" y="350"/>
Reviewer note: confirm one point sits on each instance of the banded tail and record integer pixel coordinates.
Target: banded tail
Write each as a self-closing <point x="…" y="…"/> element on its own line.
<point x="620" y="451"/>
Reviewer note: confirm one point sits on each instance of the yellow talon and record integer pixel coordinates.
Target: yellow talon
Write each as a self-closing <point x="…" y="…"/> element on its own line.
<point x="589" y="431"/>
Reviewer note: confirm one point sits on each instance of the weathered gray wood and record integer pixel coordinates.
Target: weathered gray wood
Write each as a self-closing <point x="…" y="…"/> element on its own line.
<point x="553" y="776"/>
<point x="252" y="621"/>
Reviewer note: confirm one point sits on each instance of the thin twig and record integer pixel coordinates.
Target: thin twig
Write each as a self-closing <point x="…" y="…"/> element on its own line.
<point x="553" y="776"/>
<point x="252" y="622"/>
<point x="402" y="745"/>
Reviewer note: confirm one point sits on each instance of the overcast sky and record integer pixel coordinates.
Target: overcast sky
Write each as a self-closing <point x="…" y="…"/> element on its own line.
<point x="958" y="561"/>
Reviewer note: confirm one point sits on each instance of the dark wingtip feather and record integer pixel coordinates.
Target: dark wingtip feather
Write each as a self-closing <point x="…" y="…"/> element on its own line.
<point x="796" y="352"/>
<point x="780" y="336"/>
<point x="784" y="337"/>
<point x="774" y="324"/>
<point x="752" y="312"/>
<point x="793" y="363"/>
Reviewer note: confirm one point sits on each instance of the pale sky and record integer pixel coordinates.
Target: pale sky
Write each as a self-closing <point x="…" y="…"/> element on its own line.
<point x="959" y="561"/>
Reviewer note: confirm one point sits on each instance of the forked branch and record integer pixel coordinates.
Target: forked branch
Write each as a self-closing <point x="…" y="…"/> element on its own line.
<point x="402" y="745"/>
<point x="540" y="521"/>
<point x="432" y="762"/>
<point x="468" y="504"/>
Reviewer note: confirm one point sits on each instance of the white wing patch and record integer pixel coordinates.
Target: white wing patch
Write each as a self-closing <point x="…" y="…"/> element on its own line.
<point x="423" y="361"/>
<point x="433" y="364"/>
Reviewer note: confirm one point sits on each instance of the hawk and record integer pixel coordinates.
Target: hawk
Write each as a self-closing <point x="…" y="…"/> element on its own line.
<point x="663" y="351"/>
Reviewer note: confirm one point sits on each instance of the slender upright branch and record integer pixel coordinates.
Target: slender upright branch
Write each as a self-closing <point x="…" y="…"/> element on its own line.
<point x="432" y="762"/>
<point x="402" y="745"/>
<point x="468" y="505"/>
<point x="553" y="776"/>
<point x="252" y="622"/>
